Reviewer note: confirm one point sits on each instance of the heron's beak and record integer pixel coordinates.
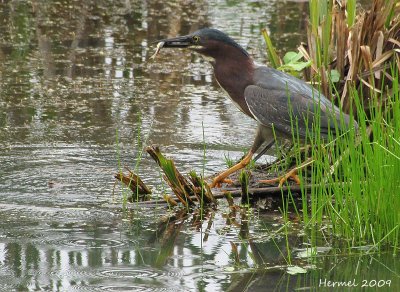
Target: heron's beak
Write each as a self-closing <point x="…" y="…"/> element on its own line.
<point x="178" y="42"/>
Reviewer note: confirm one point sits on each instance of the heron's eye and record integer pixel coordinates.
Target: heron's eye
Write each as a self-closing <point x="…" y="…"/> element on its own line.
<point x="196" y="39"/>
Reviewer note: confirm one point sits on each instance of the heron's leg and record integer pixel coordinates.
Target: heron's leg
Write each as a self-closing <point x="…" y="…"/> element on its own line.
<point x="220" y="178"/>
<point x="262" y="152"/>
<point x="263" y="134"/>
<point x="290" y="174"/>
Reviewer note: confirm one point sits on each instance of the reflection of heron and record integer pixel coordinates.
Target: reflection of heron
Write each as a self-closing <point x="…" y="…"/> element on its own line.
<point x="260" y="92"/>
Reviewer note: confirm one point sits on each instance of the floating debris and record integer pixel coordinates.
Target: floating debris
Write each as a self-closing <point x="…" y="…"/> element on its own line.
<point x="187" y="191"/>
<point x="132" y="181"/>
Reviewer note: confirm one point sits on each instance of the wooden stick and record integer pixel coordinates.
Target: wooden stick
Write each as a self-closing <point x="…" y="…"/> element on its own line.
<point x="260" y="192"/>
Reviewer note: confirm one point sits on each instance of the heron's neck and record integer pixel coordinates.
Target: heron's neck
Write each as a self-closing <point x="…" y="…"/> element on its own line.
<point x="234" y="73"/>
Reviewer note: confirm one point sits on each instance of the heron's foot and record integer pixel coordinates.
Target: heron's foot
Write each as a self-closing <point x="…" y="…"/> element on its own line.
<point x="285" y="177"/>
<point x="218" y="183"/>
<point x="222" y="176"/>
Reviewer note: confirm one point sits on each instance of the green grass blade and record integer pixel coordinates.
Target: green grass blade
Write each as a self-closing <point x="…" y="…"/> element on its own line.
<point x="273" y="56"/>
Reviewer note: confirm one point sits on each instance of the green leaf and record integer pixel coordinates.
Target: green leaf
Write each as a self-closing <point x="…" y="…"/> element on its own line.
<point x="390" y="16"/>
<point x="296" y="66"/>
<point x="351" y="12"/>
<point x="292" y="57"/>
<point x="334" y="75"/>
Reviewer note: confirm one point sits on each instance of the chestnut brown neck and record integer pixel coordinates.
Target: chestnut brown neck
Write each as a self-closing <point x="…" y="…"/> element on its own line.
<point x="234" y="70"/>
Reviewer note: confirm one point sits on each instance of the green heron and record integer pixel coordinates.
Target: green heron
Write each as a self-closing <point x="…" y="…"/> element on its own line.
<point x="271" y="97"/>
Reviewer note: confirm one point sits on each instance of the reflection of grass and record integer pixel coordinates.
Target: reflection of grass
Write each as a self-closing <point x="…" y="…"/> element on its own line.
<point x="360" y="269"/>
<point x="125" y="195"/>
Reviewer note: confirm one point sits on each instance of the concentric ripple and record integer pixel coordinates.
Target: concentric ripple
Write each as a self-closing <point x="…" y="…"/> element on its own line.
<point x="89" y="243"/>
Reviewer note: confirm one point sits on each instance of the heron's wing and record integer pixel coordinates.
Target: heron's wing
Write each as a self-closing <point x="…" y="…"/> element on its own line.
<point x="271" y="106"/>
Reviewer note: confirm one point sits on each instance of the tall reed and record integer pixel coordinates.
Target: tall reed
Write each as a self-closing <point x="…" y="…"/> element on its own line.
<point x="358" y="176"/>
<point x="357" y="173"/>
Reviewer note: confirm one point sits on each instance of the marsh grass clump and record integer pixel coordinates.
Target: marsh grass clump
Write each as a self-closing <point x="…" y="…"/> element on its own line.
<point x="361" y="169"/>
<point x="187" y="191"/>
<point x="355" y="176"/>
<point x="367" y="204"/>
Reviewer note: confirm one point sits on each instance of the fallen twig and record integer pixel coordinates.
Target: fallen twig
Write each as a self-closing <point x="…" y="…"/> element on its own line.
<point x="133" y="182"/>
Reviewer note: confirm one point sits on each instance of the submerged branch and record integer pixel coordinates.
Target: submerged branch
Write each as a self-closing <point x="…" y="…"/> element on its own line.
<point x="260" y="192"/>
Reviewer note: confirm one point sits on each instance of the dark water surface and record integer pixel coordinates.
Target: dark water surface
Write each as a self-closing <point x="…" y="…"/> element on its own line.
<point x="76" y="89"/>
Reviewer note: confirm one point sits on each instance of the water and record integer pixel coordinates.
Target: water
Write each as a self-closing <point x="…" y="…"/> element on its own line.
<point x="77" y="94"/>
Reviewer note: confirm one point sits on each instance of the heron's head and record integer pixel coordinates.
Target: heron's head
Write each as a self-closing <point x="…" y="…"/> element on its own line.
<point x="209" y="42"/>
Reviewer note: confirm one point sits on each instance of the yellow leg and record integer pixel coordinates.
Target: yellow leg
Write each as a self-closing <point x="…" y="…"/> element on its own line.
<point x="283" y="178"/>
<point x="292" y="173"/>
<point x="221" y="177"/>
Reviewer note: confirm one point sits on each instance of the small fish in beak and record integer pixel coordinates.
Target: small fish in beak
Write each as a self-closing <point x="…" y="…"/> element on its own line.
<point x="159" y="46"/>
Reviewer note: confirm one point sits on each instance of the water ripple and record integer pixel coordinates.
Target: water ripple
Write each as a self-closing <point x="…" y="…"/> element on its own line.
<point x="147" y="279"/>
<point x="90" y="242"/>
<point x="138" y="288"/>
<point x="128" y="272"/>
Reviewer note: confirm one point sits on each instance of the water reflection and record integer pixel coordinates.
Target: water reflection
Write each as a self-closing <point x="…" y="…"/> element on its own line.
<point x="61" y="249"/>
<point x="73" y="74"/>
<point x="79" y="68"/>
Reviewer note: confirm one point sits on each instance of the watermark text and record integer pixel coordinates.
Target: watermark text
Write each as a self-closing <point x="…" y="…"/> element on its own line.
<point x="355" y="283"/>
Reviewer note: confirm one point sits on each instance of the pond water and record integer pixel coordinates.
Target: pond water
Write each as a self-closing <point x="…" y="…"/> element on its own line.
<point x="78" y="97"/>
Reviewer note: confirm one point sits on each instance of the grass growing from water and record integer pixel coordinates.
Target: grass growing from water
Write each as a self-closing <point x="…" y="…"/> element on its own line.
<point x="358" y="175"/>
<point x="125" y="187"/>
<point x="358" y="198"/>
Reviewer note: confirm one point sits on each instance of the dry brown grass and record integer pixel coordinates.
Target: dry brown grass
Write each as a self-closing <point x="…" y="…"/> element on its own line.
<point x="361" y="53"/>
